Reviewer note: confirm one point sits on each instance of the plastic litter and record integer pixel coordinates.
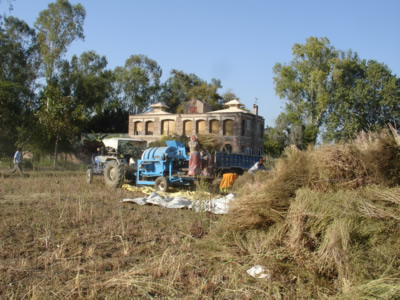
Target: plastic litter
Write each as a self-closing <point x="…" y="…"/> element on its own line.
<point x="259" y="272"/>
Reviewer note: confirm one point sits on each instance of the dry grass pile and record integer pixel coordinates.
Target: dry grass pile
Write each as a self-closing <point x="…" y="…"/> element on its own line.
<point x="348" y="237"/>
<point x="211" y="142"/>
<point x="327" y="219"/>
<point x="265" y="198"/>
<point x="371" y="159"/>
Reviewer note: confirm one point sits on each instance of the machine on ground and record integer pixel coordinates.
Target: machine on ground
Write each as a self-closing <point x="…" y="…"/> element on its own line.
<point x="117" y="160"/>
<point x="168" y="166"/>
<point x="160" y="167"/>
<point x="164" y="166"/>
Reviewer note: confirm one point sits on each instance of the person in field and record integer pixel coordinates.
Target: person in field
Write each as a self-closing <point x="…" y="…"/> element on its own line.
<point x="18" y="162"/>
<point x="257" y="166"/>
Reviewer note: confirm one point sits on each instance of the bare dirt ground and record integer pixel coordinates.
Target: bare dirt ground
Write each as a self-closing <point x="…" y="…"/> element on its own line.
<point x="63" y="238"/>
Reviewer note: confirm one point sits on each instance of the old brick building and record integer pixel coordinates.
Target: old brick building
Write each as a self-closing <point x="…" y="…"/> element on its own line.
<point x="240" y="130"/>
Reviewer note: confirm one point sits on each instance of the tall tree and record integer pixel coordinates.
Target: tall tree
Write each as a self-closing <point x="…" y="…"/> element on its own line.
<point x="63" y="119"/>
<point x="92" y="85"/>
<point x="181" y="87"/>
<point x="207" y="92"/>
<point x="138" y="83"/>
<point x="334" y="93"/>
<point x="87" y="79"/>
<point x="365" y="96"/>
<point x="304" y="83"/>
<point x="19" y="63"/>
<point x="58" y="26"/>
<point x="10" y="8"/>
<point x="228" y="96"/>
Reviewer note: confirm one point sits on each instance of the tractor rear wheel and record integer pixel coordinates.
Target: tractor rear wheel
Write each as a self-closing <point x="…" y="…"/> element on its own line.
<point x="161" y="184"/>
<point x="113" y="174"/>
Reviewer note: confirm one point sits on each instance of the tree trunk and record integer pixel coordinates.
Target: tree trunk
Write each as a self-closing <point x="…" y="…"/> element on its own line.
<point x="56" y="151"/>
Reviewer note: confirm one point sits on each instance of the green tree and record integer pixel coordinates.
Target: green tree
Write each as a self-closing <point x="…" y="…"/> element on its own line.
<point x="181" y="87"/>
<point x="274" y="141"/>
<point x="4" y="15"/>
<point x="207" y="92"/>
<point x="58" y="26"/>
<point x="304" y="83"/>
<point x="228" y="96"/>
<point x="62" y="120"/>
<point x="365" y="96"/>
<point x="288" y="130"/>
<point x="175" y="89"/>
<point x="138" y="83"/>
<point x="335" y="93"/>
<point x="109" y="120"/>
<point x="87" y="79"/>
<point x="19" y="63"/>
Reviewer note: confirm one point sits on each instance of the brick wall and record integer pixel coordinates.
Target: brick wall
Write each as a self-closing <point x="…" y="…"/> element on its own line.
<point x="247" y="135"/>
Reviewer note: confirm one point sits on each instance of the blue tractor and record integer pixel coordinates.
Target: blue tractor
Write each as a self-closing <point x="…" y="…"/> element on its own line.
<point x="116" y="161"/>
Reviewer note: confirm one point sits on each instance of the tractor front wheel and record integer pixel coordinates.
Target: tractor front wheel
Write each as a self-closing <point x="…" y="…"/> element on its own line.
<point x="113" y="174"/>
<point x="161" y="184"/>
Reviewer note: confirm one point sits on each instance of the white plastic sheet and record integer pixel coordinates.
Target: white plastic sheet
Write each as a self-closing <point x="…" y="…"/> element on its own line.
<point x="216" y="206"/>
<point x="259" y="272"/>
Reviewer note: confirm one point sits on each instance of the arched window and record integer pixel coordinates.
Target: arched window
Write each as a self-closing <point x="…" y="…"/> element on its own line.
<point x="201" y="127"/>
<point x="228" y="127"/>
<point x="137" y="128"/>
<point x="187" y="128"/>
<point x="214" y="126"/>
<point x="149" y="128"/>
<point x="167" y="127"/>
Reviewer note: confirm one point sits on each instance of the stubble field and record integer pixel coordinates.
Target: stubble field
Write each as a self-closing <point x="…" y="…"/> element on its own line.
<point x="63" y="238"/>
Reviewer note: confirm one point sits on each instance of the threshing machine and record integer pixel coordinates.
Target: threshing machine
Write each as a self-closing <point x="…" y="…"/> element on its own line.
<point x="164" y="166"/>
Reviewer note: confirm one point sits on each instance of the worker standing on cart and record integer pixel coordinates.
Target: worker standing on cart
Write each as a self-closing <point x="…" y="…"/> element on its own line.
<point x="194" y="158"/>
